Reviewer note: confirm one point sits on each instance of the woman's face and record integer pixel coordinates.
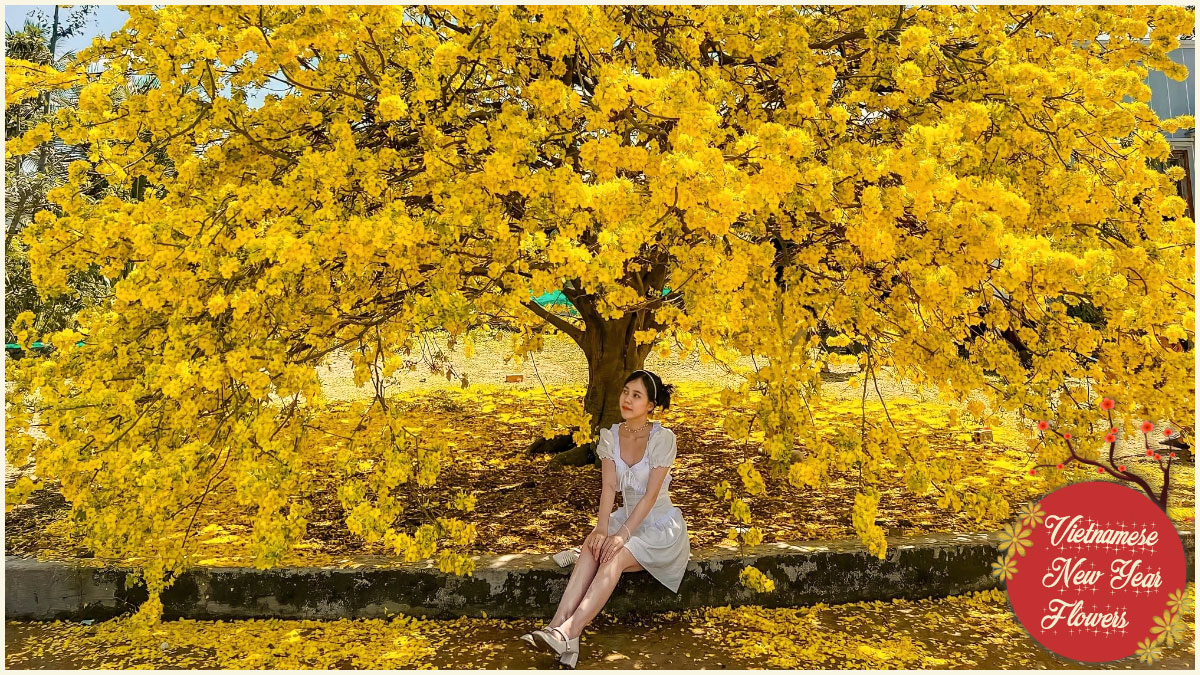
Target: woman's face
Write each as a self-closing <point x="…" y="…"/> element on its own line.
<point x="634" y="401"/>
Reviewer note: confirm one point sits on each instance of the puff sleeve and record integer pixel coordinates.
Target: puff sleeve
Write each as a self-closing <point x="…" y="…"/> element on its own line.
<point x="604" y="446"/>
<point x="662" y="451"/>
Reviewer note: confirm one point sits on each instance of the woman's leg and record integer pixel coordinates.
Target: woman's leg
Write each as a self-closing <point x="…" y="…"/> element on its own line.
<point x="581" y="578"/>
<point x="599" y="591"/>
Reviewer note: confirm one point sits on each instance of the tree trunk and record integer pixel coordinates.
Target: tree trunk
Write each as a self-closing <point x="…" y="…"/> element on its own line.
<point x="42" y="156"/>
<point x="611" y="355"/>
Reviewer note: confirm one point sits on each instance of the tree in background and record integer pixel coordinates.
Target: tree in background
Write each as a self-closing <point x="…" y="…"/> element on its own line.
<point x="29" y="177"/>
<point x="894" y="175"/>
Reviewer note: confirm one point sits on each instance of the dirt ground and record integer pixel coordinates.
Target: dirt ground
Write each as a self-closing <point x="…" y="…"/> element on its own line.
<point x="560" y="363"/>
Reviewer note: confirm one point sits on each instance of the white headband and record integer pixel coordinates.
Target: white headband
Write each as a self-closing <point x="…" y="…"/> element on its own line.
<point x="655" y="386"/>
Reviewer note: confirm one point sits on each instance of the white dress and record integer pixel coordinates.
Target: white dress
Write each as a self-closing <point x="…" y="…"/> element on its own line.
<point x="660" y="543"/>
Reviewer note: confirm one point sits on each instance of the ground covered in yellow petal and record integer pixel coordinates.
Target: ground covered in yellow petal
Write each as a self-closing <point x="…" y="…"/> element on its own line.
<point x="397" y="643"/>
<point x="977" y="630"/>
<point x="524" y="506"/>
<point x="972" y="631"/>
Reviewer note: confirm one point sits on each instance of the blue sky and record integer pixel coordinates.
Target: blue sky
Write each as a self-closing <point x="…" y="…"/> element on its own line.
<point x="105" y="19"/>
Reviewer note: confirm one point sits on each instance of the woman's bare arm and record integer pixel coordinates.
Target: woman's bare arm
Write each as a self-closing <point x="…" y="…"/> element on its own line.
<point x="608" y="494"/>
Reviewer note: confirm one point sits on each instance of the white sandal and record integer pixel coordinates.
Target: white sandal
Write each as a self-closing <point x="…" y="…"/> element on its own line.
<point x="530" y="640"/>
<point x="566" y="648"/>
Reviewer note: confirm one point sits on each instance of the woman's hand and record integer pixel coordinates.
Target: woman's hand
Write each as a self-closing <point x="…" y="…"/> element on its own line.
<point x="593" y="543"/>
<point x="612" y="546"/>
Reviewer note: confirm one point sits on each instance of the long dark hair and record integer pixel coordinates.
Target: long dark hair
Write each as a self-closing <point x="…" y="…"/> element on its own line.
<point x="657" y="391"/>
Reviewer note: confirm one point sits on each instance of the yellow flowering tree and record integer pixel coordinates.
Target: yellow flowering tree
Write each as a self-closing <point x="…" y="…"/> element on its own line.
<point x="891" y="175"/>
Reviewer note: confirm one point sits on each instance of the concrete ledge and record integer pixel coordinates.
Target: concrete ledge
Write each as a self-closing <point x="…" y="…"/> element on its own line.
<point x="519" y="585"/>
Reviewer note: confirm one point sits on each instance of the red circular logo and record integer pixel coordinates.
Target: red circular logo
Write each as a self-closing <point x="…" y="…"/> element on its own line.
<point x="1096" y="572"/>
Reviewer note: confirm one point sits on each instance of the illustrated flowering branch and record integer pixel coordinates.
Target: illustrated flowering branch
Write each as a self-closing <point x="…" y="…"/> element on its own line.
<point x="1115" y="469"/>
<point x="1167" y="629"/>
<point x="1014" y="540"/>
